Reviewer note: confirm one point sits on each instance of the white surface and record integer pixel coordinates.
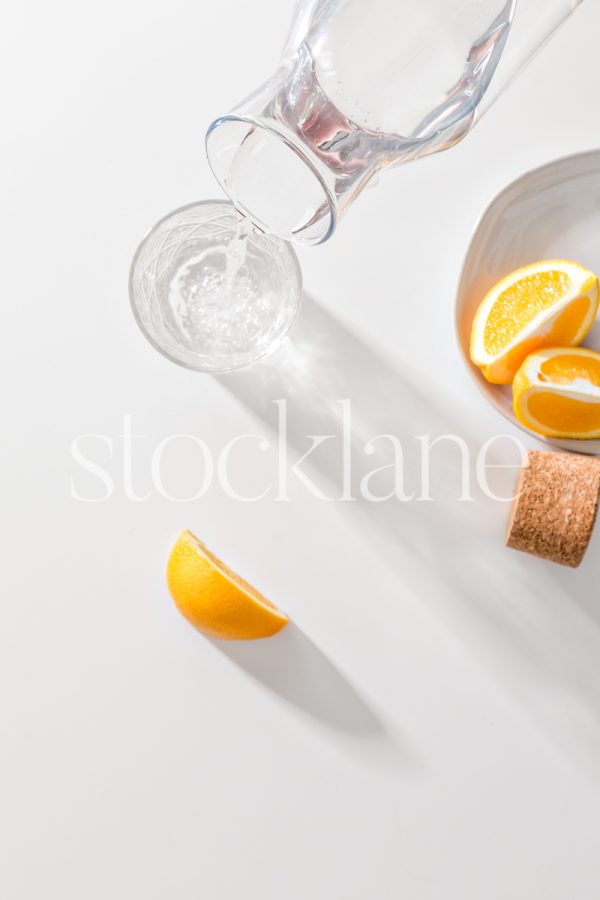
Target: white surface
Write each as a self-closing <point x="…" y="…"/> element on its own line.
<point x="430" y="726"/>
<point x="550" y="212"/>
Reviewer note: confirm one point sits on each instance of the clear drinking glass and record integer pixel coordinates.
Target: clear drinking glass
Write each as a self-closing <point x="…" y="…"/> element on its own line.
<point x="209" y="292"/>
<point x="363" y="86"/>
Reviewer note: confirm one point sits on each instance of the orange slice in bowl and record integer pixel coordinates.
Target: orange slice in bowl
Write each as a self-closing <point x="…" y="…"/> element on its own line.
<point x="556" y="392"/>
<point x="546" y="304"/>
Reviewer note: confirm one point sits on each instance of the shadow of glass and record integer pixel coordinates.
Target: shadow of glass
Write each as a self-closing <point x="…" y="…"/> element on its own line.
<point x="521" y="620"/>
<point x="323" y="363"/>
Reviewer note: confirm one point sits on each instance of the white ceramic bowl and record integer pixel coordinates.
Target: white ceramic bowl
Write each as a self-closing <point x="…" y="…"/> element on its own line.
<point x="551" y="212"/>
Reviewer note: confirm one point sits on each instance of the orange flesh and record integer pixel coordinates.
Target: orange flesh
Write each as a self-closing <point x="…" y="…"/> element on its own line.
<point x="564" y="369"/>
<point x="229" y="573"/>
<point x="563" y="414"/>
<point x="565" y="330"/>
<point x="513" y="359"/>
<point x="519" y="304"/>
<point x="568" y="323"/>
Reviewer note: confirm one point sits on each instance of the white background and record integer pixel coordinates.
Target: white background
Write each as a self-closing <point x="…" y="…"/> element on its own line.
<point x="429" y="727"/>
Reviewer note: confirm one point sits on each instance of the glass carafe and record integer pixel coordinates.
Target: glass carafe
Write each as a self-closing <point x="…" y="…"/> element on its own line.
<point x="364" y="85"/>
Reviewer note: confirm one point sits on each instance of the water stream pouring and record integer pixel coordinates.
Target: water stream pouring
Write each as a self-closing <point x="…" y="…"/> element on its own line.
<point x="361" y="87"/>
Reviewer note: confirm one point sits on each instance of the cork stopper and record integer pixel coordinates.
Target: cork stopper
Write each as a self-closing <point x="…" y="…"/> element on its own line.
<point x="555" y="507"/>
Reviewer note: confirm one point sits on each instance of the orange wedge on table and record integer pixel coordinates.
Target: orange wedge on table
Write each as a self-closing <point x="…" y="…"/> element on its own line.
<point x="214" y="599"/>
<point x="556" y="392"/>
<point x="546" y="304"/>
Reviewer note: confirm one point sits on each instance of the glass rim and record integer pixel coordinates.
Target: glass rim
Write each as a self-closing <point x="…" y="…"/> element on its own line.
<point x="286" y="136"/>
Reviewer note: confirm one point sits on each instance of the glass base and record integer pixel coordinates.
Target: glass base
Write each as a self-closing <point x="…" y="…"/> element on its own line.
<point x="210" y="292"/>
